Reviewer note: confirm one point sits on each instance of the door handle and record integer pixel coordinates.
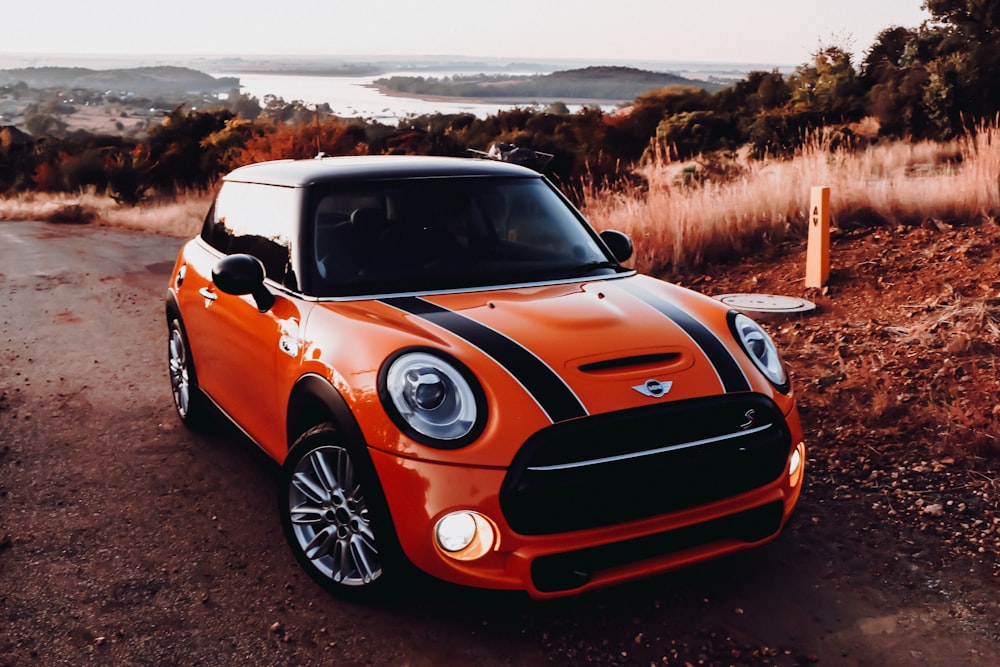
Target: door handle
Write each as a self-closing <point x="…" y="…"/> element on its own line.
<point x="208" y="293"/>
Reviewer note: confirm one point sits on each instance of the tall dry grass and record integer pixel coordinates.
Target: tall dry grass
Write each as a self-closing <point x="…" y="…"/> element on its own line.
<point x="181" y="216"/>
<point x="677" y="225"/>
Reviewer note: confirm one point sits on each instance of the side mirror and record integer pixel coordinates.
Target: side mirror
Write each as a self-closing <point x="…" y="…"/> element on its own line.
<point x="618" y="243"/>
<point x="243" y="274"/>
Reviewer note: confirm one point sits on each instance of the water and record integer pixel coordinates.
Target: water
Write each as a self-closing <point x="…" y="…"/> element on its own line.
<point x="356" y="97"/>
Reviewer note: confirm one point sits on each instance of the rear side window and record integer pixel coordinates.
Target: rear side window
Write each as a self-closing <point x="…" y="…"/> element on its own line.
<point x="258" y="220"/>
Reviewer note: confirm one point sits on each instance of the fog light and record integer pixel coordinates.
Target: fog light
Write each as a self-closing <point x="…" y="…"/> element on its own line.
<point x="795" y="464"/>
<point x="465" y="535"/>
<point x="456" y="531"/>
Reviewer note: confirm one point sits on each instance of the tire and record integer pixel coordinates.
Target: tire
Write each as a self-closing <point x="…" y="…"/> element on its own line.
<point x="190" y="404"/>
<point x="335" y="518"/>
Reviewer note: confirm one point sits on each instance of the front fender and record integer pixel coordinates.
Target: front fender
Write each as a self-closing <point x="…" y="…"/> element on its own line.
<point x="313" y="400"/>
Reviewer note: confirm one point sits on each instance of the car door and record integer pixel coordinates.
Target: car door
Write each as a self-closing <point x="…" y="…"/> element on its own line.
<point x="247" y="355"/>
<point x="237" y="347"/>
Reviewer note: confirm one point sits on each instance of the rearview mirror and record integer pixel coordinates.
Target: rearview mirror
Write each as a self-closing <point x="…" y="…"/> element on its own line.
<point x="618" y="243"/>
<point x="243" y="274"/>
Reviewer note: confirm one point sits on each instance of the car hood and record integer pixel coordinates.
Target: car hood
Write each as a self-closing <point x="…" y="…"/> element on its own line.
<point x="588" y="348"/>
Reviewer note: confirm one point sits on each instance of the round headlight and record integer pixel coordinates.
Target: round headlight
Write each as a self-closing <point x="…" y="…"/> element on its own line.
<point x="433" y="397"/>
<point x="761" y="349"/>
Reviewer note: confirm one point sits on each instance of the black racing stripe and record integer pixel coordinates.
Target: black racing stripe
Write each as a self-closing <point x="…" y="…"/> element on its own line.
<point x="549" y="390"/>
<point x="729" y="371"/>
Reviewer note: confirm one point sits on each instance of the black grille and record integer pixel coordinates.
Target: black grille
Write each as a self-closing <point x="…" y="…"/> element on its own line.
<point x="565" y="571"/>
<point x="634" y="464"/>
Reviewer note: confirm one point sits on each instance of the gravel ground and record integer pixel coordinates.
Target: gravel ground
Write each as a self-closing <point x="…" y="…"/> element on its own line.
<point x="126" y="539"/>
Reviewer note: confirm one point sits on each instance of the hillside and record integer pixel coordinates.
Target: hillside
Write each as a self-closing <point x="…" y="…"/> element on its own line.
<point x="611" y="84"/>
<point x="138" y="80"/>
<point x="897" y="379"/>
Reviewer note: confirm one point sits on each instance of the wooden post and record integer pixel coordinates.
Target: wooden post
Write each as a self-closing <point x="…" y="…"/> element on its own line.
<point x="818" y="252"/>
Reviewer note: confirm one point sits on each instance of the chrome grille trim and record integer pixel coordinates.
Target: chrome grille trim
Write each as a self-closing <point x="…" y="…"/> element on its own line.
<point x="650" y="452"/>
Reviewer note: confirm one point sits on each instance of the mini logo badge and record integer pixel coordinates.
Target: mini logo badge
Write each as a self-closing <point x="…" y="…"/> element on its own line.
<point x="653" y="388"/>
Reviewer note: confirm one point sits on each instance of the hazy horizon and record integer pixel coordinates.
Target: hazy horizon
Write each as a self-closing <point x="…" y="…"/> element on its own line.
<point x="766" y="31"/>
<point x="428" y="61"/>
<point x="312" y="81"/>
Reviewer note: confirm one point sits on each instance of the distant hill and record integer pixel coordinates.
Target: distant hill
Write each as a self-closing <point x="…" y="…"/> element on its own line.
<point x="139" y="80"/>
<point x="617" y="84"/>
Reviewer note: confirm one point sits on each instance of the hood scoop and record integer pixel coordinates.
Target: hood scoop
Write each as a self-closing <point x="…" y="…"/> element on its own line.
<point x="641" y="362"/>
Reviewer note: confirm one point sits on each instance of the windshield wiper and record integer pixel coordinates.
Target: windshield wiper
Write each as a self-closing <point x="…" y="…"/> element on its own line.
<point x="582" y="270"/>
<point x="603" y="264"/>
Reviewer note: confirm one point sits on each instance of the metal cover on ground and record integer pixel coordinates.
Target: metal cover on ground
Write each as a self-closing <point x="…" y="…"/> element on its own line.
<point x="767" y="305"/>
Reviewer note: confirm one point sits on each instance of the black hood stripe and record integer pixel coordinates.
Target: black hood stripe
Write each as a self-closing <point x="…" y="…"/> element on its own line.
<point x="730" y="373"/>
<point x="549" y="390"/>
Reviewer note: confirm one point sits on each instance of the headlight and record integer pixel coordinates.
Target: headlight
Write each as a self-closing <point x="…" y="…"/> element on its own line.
<point x="436" y="401"/>
<point x="759" y="347"/>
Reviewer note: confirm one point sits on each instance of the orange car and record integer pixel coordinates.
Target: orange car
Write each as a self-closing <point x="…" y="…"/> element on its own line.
<point x="457" y="373"/>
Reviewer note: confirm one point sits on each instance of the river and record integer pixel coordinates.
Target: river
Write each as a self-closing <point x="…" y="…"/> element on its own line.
<point x="356" y="97"/>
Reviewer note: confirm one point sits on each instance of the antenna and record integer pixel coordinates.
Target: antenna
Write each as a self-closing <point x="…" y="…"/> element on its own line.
<point x="319" y="149"/>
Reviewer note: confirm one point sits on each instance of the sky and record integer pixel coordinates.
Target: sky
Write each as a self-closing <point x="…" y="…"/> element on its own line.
<point x="776" y="32"/>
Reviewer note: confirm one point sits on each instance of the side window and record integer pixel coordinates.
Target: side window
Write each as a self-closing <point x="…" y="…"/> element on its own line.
<point x="222" y="223"/>
<point x="258" y="220"/>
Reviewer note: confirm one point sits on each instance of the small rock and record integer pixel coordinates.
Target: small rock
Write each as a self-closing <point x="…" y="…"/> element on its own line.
<point x="934" y="509"/>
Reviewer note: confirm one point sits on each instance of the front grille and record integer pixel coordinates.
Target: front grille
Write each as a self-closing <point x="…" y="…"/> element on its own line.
<point x="565" y="571"/>
<point x="618" y="467"/>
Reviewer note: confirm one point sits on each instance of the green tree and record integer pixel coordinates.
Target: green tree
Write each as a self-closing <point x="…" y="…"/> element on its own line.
<point x="174" y="154"/>
<point x="778" y="132"/>
<point x="18" y="160"/>
<point x="968" y="59"/>
<point x="758" y="91"/>
<point x="697" y="132"/>
<point x="942" y="94"/>
<point x="829" y="85"/>
<point x="940" y="79"/>
<point x="243" y="105"/>
<point x="894" y="77"/>
<point x="40" y="124"/>
<point x="630" y="135"/>
<point x="974" y="20"/>
<point x="125" y="181"/>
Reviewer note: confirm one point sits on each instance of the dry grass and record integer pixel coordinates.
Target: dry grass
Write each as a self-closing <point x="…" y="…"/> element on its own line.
<point x="181" y="217"/>
<point x="679" y="226"/>
<point x="909" y="359"/>
<point x="906" y="349"/>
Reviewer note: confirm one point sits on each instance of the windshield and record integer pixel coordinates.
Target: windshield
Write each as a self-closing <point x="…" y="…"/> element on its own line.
<point x="435" y="234"/>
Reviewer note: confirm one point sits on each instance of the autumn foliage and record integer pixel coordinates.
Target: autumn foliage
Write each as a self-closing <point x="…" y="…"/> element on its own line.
<point x="939" y="81"/>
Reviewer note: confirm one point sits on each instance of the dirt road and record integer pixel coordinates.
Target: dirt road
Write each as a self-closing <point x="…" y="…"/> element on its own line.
<point x="127" y="539"/>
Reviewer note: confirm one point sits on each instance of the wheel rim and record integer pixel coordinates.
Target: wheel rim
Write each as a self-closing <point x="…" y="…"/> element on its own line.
<point x="330" y="519"/>
<point x="180" y="381"/>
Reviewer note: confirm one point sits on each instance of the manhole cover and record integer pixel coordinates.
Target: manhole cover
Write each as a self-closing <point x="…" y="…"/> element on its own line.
<point x="767" y="305"/>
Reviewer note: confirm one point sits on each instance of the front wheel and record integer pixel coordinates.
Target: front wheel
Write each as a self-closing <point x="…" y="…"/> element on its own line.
<point x="189" y="402"/>
<point x="334" y="516"/>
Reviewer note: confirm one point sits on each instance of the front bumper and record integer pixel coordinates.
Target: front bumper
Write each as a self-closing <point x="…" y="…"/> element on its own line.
<point x="576" y="543"/>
